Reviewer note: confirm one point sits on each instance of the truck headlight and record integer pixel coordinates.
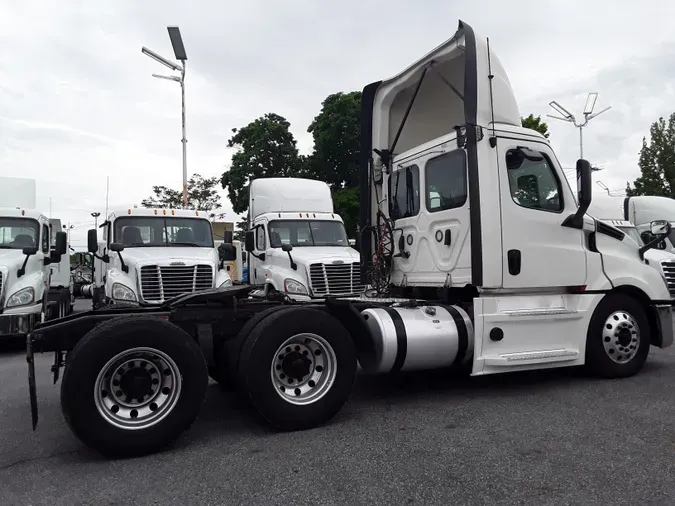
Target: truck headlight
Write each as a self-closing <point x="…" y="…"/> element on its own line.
<point x="123" y="292"/>
<point x="293" y="286"/>
<point x="226" y="283"/>
<point x="23" y="297"/>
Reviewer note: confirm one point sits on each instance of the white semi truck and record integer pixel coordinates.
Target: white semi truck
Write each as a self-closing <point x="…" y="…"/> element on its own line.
<point x="27" y="253"/>
<point x="610" y="210"/>
<point x="641" y="210"/>
<point x="482" y="254"/>
<point x="296" y="243"/>
<point x="149" y="256"/>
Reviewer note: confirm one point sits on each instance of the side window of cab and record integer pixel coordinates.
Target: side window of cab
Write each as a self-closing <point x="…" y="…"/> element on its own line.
<point x="533" y="181"/>
<point x="45" y="239"/>
<point x="260" y="242"/>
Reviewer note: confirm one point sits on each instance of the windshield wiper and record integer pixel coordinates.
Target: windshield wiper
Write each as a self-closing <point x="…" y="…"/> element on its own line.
<point x="4" y="246"/>
<point x="185" y="244"/>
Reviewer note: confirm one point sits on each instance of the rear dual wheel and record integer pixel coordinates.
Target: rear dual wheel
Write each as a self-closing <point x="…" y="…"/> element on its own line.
<point x="297" y="367"/>
<point x="133" y="385"/>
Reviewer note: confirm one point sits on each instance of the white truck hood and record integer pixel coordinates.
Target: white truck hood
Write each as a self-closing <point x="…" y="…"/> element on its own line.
<point x="657" y="255"/>
<point x="11" y="258"/>
<point x="167" y="254"/>
<point x="324" y="254"/>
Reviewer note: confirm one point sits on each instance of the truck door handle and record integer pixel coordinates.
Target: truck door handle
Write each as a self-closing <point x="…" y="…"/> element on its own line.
<point x="448" y="237"/>
<point x="513" y="257"/>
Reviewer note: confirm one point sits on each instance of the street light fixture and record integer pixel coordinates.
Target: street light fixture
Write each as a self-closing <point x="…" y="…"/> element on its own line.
<point x="95" y="215"/>
<point x="181" y="55"/>
<point x="565" y="115"/>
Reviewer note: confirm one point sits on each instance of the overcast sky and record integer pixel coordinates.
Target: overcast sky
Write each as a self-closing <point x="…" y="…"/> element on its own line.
<point x="78" y="103"/>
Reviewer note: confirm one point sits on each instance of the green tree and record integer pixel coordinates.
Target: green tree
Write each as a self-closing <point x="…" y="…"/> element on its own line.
<point x="657" y="161"/>
<point x="264" y="148"/>
<point x="336" y="131"/>
<point x="202" y="195"/>
<point x="535" y="123"/>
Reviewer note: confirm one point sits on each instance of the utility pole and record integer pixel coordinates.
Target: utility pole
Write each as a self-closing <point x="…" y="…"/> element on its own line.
<point x="567" y="116"/>
<point x="181" y="55"/>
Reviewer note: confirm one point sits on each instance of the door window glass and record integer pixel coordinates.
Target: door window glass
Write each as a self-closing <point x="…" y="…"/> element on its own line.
<point x="404" y="200"/>
<point x="260" y="238"/>
<point x="533" y="183"/>
<point x="445" y="183"/>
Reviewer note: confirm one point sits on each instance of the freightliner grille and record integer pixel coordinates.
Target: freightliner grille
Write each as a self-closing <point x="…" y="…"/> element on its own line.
<point x="160" y="283"/>
<point x="669" y="273"/>
<point x="335" y="279"/>
<point x="0" y="287"/>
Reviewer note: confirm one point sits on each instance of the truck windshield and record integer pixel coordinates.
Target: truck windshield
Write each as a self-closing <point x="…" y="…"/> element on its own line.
<point x="19" y="233"/>
<point x="300" y="233"/>
<point x="140" y="231"/>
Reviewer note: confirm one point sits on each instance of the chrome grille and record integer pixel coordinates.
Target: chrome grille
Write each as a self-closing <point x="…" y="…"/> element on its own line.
<point x="164" y="282"/>
<point x="335" y="279"/>
<point x="669" y="273"/>
<point x="0" y="288"/>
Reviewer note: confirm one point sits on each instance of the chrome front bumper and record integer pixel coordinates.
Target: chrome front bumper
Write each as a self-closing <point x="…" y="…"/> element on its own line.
<point x="664" y="320"/>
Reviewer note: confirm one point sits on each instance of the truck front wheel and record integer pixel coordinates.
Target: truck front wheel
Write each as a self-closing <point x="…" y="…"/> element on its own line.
<point x="298" y="367"/>
<point x="133" y="385"/>
<point x="618" y="339"/>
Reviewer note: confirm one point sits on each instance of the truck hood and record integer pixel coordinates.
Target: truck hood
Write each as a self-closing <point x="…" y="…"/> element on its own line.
<point x="167" y="254"/>
<point x="11" y="258"/>
<point x="657" y="255"/>
<point x="309" y="254"/>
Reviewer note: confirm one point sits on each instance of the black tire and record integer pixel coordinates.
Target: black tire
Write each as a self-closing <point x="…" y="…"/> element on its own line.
<point x="258" y="354"/>
<point x="629" y="324"/>
<point x="90" y="356"/>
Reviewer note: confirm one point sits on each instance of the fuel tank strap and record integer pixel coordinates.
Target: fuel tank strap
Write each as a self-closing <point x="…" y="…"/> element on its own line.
<point x="401" y="339"/>
<point x="462" y="334"/>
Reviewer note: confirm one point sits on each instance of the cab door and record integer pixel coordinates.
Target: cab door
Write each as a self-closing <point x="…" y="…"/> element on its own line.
<point x="428" y="201"/>
<point x="538" y="251"/>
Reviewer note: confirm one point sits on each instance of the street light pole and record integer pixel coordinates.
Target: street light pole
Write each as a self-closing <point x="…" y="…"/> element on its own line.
<point x="567" y="116"/>
<point x="95" y="215"/>
<point x="181" y="55"/>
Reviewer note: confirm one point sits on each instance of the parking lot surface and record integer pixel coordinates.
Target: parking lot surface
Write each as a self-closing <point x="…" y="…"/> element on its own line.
<point x="554" y="437"/>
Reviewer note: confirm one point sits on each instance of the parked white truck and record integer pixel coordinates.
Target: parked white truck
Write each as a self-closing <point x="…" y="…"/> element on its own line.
<point x="148" y="256"/>
<point x="296" y="242"/>
<point x="641" y="211"/>
<point x="483" y="255"/>
<point x="26" y="254"/>
<point x="610" y="210"/>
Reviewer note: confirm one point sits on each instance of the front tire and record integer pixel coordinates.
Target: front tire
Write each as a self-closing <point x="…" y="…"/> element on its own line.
<point x="618" y="339"/>
<point x="298" y="367"/>
<point x="133" y="385"/>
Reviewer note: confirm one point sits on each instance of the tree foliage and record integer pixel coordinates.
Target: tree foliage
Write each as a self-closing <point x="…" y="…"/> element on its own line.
<point x="535" y="123"/>
<point x="336" y="131"/>
<point x="202" y="195"/>
<point x="264" y="148"/>
<point x="657" y="161"/>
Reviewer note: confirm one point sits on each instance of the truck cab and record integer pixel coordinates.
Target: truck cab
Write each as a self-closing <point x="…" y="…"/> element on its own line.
<point x="25" y="256"/>
<point x="296" y="243"/>
<point x="148" y="256"/>
<point x="643" y="209"/>
<point x="460" y="203"/>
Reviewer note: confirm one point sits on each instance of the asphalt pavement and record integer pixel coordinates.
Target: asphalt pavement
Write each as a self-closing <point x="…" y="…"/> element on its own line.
<point x="553" y="437"/>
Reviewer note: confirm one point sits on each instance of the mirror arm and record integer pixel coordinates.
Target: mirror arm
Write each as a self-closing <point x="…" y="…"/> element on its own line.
<point x="651" y="244"/>
<point x="125" y="267"/>
<point x="294" y="266"/>
<point x="22" y="269"/>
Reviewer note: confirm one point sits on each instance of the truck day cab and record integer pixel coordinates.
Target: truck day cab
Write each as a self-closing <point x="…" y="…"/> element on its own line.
<point x="148" y="256"/>
<point x="297" y="245"/>
<point x="483" y="255"/>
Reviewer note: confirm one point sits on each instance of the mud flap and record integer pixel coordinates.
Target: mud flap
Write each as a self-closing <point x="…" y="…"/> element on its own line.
<point x="31" y="381"/>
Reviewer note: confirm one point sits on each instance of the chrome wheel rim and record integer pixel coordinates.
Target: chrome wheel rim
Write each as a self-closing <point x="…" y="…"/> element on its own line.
<point x="137" y="388"/>
<point x="304" y="369"/>
<point x="621" y="337"/>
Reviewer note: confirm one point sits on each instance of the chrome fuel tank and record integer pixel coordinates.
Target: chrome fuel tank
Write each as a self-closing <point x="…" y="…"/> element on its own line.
<point x="425" y="337"/>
